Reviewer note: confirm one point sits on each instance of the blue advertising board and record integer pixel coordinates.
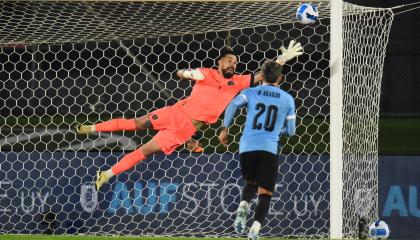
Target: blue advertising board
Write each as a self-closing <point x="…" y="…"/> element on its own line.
<point x="184" y="194"/>
<point x="188" y="194"/>
<point x="399" y="203"/>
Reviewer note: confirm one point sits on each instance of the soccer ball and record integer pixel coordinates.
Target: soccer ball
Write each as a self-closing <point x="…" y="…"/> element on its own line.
<point x="379" y="230"/>
<point x="307" y="13"/>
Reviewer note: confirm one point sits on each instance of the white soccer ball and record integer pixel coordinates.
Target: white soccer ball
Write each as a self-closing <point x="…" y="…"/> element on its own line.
<point x="379" y="230"/>
<point x="307" y="13"/>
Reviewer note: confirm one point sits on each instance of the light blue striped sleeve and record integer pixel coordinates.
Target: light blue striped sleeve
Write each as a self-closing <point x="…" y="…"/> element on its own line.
<point x="238" y="102"/>
<point x="290" y="124"/>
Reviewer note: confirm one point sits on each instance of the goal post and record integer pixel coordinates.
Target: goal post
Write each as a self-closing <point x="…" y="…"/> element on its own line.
<point x="69" y="62"/>
<point x="336" y="120"/>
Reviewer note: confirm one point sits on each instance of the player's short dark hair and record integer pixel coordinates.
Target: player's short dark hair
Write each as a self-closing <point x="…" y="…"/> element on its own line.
<point x="223" y="52"/>
<point x="271" y="71"/>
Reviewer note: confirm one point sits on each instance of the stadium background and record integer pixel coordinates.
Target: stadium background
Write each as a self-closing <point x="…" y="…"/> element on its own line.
<point x="399" y="134"/>
<point x="399" y="124"/>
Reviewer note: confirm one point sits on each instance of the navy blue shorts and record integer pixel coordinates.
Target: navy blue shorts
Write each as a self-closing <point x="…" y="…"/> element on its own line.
<point x="261" y="167"/>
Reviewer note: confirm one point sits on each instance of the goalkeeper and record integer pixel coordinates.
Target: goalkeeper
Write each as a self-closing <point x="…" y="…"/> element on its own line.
<point x="176" y="124"/>
<point x="270" y="113"/>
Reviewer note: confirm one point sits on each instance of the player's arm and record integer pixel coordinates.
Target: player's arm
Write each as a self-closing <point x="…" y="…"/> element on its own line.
<point x="190" y="74"/>
<point x="292" y="51"/>
<point x="238" y="102"/>
<point x="289" y="128"/>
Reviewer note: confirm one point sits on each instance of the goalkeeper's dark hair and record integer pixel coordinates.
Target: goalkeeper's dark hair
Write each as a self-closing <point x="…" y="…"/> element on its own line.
<point x="225" y="51"/>
<point x="271" y="71"/>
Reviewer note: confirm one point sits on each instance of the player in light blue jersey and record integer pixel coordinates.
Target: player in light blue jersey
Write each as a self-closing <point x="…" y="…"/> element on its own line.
<point x="270" y="114"/>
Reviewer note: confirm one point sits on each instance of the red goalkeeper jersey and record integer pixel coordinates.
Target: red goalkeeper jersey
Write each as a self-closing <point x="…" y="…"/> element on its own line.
<point x="210" y="96"/>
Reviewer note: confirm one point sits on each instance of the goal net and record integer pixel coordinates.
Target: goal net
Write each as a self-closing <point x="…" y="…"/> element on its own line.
<point x="71" y="62"/>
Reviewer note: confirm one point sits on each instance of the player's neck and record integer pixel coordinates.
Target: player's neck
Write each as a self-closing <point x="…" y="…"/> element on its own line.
<point x="269" y="84"/>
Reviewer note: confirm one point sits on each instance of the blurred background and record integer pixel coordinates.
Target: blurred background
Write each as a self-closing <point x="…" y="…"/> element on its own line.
<point x="399" y="130"/>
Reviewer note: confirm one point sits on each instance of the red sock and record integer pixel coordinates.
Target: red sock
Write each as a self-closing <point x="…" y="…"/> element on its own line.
<point x="116" y="125"/>
<point x="128" y="161"/>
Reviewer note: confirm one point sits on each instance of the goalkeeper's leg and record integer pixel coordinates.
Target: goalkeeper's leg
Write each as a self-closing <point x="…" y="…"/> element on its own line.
<point x="127" y="162"/>
<point x="166" y="140"/>
<point x="174" y="130"/>
<point x="118" y="124"/>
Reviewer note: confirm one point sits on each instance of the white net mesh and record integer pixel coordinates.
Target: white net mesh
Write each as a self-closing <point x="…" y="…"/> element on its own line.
<point x="366" y="32"/>
<point x="76" y="21"/>
<point x="72" y="62"/>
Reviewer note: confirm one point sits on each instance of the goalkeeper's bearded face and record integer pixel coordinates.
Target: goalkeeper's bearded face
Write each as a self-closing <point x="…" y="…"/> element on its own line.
<point x="227" y="65"/>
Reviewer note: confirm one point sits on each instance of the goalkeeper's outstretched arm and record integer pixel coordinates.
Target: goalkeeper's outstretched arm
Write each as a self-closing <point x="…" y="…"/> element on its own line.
<point x="292" y="51"/>
<point x="190" y="74"/>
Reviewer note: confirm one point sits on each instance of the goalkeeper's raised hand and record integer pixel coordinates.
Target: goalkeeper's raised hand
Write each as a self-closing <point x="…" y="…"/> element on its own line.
<point x="293" y="50"/>
<point x="192" y="74"/>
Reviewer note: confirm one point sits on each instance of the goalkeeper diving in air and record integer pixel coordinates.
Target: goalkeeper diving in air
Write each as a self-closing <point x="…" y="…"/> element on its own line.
<point x="270" y="114"/>
<point x="176" y="124"/>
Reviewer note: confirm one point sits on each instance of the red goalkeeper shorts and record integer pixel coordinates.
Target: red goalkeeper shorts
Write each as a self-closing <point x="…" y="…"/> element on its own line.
<point x="174" y="126"/>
